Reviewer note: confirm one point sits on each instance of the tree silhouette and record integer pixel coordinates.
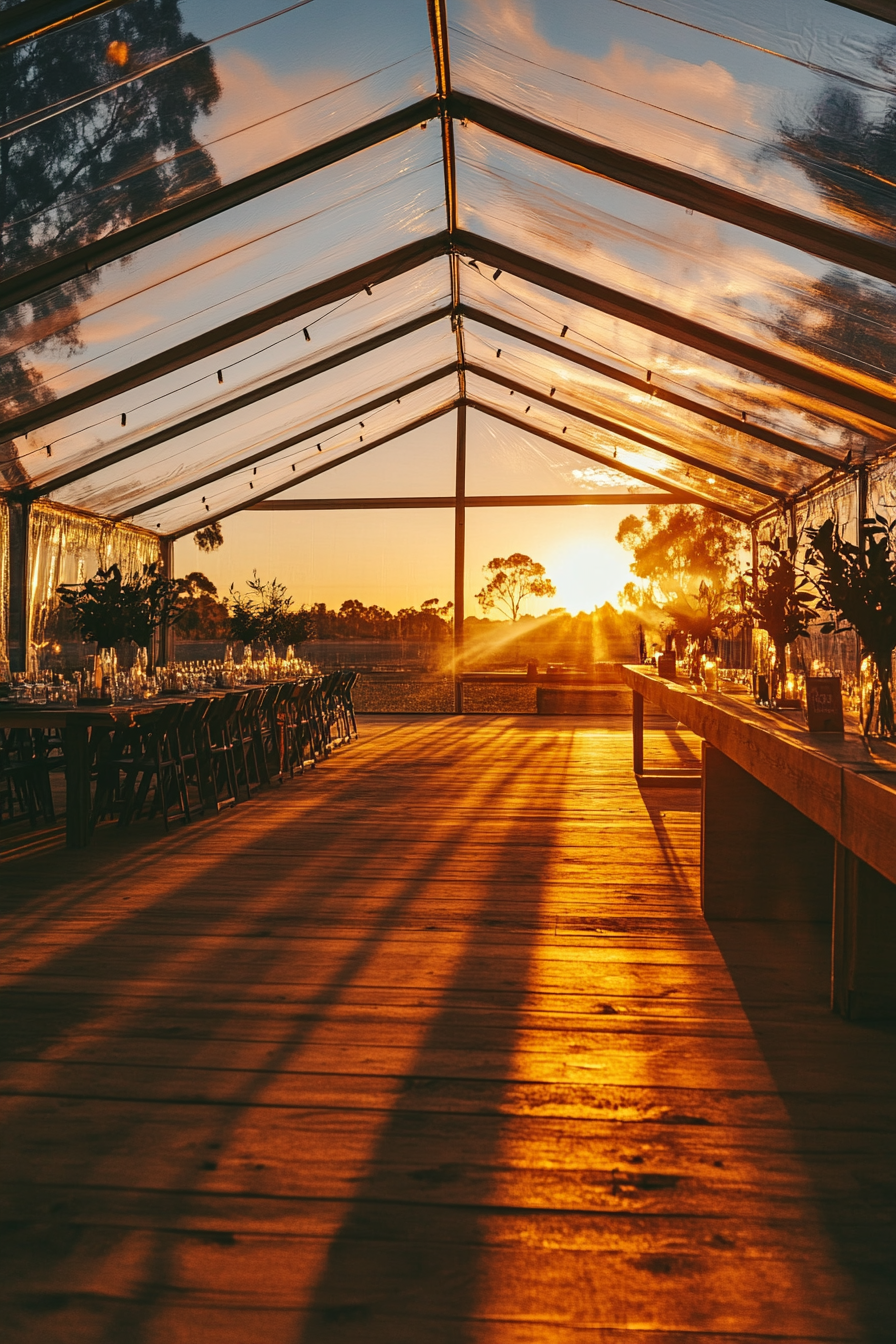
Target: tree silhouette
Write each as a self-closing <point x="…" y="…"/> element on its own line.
<point x="848" y="153"/>
<point x="74" y="168"/>
<point x="676" y="549"/>
<point x="511" y="581"/>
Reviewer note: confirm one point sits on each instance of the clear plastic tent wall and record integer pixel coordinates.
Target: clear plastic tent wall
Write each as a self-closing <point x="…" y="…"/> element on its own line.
<point x="657" y="236"/>
<point x="4" y="590"/>
<point x="67" y="547"/>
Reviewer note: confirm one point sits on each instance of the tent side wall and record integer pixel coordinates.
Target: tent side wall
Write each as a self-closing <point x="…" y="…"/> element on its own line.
<point x="65" y="546"/>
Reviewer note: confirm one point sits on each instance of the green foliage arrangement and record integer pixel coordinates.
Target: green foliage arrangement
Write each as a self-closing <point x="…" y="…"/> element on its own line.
<point x="857" y="584"/>
<point x="109" y="608"/>
<point x="781" y="604"/>
<point x="704" y="614"/>
<point x="264" y="614"/>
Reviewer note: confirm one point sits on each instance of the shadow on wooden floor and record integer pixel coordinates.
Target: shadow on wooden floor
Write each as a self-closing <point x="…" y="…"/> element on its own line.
<point x="837" y="1081"/>
<point x="383" y="1281"/>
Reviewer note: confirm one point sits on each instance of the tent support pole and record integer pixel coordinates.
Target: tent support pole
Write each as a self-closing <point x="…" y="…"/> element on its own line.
<point x="460" y="520"/>
<point x="165" y="636"/>
<point x="19" y="530"/>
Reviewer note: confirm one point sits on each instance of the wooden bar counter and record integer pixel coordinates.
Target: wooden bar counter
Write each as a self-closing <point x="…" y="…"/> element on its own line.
<point x="794" y="825"/>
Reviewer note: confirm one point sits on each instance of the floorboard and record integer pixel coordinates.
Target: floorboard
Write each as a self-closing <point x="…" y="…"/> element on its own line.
<point x="432" y="1046"/>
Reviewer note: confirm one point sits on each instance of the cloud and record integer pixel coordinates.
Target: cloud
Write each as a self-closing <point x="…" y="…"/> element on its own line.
<point x="692" y="114"/>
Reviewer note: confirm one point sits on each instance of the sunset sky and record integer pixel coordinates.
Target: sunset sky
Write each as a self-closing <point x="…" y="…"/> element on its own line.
<point x="401" y="558"/>
<point x="196" y="441"/>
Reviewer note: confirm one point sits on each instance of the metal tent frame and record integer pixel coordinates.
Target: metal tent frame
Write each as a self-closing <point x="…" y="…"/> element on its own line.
<point x="726" y="444"/>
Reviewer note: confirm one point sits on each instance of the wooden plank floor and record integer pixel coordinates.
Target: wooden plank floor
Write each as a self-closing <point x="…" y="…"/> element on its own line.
<point x="432" y="1047"/>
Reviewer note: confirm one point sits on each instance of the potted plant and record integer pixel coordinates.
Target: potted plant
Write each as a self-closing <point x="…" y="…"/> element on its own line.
<point x="857" y="586"/>
<point x="111" y="611"/>
<point x="703" y="617"/>
<point x="780" y="605"/>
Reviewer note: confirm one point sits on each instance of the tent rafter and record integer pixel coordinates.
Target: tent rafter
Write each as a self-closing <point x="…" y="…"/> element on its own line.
<point x="607" y="460"/>
<point x="469" y="501"/>
<point x="623" y="431"/>
<point x="322" y="428"/>
<point x="569" y="353"/>
<point x="422" y="420"/>
<point x="28" y="284"/>
<point x="224" y="337"/>
<point x="834" y="244"/>
<point x="708" y="340"/>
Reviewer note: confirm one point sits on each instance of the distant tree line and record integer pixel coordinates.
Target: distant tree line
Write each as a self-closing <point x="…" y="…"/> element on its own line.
<point x="265" y="613"/>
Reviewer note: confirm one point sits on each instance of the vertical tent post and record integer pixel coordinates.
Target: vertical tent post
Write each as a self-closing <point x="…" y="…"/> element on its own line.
<point x="165" y="653"/>
<point x="19" y="529"/>
<point x="861" y="517"/>
<point x="460" y="512"/>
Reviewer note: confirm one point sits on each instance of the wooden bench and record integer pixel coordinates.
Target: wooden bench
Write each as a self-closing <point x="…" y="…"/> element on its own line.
<point x="794" y="825"/>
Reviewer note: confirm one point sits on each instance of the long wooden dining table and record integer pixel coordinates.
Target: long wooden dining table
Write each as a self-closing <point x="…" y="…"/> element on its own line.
<point x="80" y="726"/>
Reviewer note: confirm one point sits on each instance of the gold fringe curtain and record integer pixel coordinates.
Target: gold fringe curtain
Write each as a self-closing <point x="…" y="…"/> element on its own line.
<point x="67" y="547"/>
<point x="4" y="591"/>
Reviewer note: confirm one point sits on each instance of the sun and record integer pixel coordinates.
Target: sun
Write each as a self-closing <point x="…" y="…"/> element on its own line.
<point x="587" y="572"/>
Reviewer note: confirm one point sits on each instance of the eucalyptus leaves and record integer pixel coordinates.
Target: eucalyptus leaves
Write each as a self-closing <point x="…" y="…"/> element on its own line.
<point x="857" y="587"/>
<point x="781" y="604"/>
<point x="109" y="608"/>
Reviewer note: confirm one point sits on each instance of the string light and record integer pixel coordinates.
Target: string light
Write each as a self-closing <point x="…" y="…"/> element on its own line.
<point x="564" y="331"/>
<point x="528" y="409"/>
<point x="319" y="449"/>
<point x="553" y="390"/>
<point x="649" y="375"/>
<point x="307" y="333"/>
<point x="49" y="450"/>
<point x="220" y="375"/>
<point x="498" y="356"/>
<point x="497" y="274"/>
<point x="368" y="290"/>
<point x="124" y="420"/>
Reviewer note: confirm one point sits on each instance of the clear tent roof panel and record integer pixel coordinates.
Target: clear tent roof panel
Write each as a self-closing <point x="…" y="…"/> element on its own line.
<point x="418" y="464"/>
<point x="711" y="86"/>
<point x="247" y="369"/>
<point x="632" y="350"/>
<point x="224" y="268"/>
<point x="769" y="362"/>
<point x="704" y="269"/>
<point x="659" y="470"/>
<point x="502" y="459"/>
<point x="267" y="80"/>
<point x="637" y="410"/>
<point x="239" y="488"/>
<point x="120" y="488"/>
